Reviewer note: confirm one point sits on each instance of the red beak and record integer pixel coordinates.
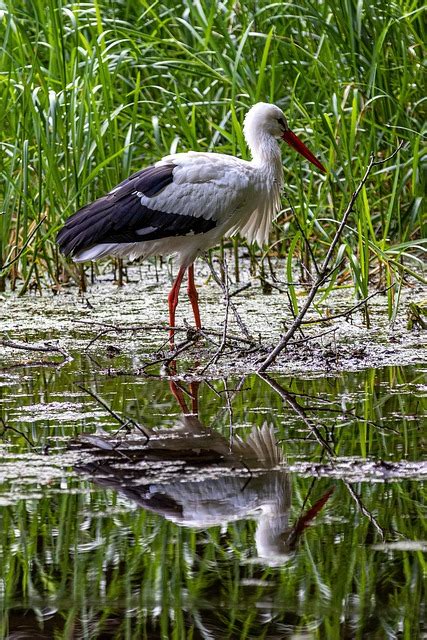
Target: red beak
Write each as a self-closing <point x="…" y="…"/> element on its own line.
<point x="293" y="141"/>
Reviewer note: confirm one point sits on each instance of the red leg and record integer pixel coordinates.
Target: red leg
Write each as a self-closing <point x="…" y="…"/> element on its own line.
<point x="173" y="301"/>
<point x="194" y="296"/>
<point x="194" y="390"/>
<point x="179" y="396"/>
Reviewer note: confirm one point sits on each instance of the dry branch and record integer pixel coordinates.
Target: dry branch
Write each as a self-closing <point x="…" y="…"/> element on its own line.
<point x="24" y="246"/>
<point x="345" y="314"/>
<point x="326" y="447"/>
<point x="123" y="422"/>
<point x="324" y="272"/>
<point x="224" y="287"/>
<point x="45" y="348"/>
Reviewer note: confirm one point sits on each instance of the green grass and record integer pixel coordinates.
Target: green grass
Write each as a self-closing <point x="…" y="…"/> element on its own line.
<point x="93" y="91"/>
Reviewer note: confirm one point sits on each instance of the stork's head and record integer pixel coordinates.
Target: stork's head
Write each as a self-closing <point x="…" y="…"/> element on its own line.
<point x="267" y="119"/>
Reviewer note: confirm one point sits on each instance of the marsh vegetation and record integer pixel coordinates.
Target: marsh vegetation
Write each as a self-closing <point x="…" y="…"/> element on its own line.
<point x="92" y="92"/>
<point x="106" y="533"/>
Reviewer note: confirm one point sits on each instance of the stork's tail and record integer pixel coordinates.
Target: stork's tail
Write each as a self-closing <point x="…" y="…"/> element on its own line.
<point x="260" y="447"/>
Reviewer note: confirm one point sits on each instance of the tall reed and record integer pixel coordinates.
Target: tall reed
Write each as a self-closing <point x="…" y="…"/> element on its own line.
<point x="93" y="91"/>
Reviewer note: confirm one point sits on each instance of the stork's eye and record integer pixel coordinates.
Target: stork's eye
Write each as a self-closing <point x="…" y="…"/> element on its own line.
<point x="282" y="123"/>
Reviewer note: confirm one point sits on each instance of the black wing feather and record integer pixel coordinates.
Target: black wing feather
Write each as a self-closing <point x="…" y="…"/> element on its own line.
<point x="117" y="216"/>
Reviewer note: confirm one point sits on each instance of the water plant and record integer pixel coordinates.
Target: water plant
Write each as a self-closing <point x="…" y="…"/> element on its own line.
<point x="93" y="91"/>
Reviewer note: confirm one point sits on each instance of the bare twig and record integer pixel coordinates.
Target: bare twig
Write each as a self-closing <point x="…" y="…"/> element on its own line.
<point x="300" y="411"/>
<point x="345" y="314"/>
<point x="364" y="510"/>
<point x="123" y="422"/>
<point x="289" y="399"/>
<point x="221" y="347"/>
<point x="315" y="337"/>
<point x="46" y="348"/>
<point x="106" y="328"/>
<point x="236" y="292"/>
<point x="325" y="270"/>
<point x="7" y="427"/>
<point x="230" y="304"/>
<point x="307" y="244"/>
<point x="34" y="363"/>
<point x="130" y="327"/>
<point x="22" y="249"/>
<point x="100" y="334"/>
<point x="166" y="360"/>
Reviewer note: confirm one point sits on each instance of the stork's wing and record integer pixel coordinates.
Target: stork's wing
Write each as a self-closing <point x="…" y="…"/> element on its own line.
<point x="186" y="194"/>
<point x="121" y="216"/>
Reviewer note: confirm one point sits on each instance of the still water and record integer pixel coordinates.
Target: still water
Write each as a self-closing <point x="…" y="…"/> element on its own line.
<point x="278" y="507"/>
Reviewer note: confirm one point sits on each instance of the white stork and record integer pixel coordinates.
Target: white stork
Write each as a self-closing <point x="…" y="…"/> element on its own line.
<point x="186" y="202"/>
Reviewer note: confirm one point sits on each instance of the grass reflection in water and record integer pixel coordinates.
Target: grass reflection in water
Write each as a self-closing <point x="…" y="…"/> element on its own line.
<point x="222" y="525"/>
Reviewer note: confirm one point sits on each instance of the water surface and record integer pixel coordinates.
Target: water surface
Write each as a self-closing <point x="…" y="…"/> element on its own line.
<point x="318" y="534"/>
<point x="284" y="506"/>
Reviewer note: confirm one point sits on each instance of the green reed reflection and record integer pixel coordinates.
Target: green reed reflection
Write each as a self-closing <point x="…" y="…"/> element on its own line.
<point x="81" y="560"/>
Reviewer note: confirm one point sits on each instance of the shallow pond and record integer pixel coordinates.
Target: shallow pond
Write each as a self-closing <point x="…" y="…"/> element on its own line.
<point x="279" y="506"/>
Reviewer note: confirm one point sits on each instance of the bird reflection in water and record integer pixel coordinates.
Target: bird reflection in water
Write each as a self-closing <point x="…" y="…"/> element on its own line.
<point x="195" y="477"/>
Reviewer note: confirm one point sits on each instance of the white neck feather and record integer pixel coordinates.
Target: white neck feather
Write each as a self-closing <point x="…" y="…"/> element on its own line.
<point x="265" y="153"/>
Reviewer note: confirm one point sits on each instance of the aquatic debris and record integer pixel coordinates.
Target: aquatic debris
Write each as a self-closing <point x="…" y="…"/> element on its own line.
<point x="362" y="470"/>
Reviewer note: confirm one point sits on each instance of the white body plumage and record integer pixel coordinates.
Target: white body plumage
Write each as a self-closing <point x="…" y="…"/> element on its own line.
<point x="240" y="196"/>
